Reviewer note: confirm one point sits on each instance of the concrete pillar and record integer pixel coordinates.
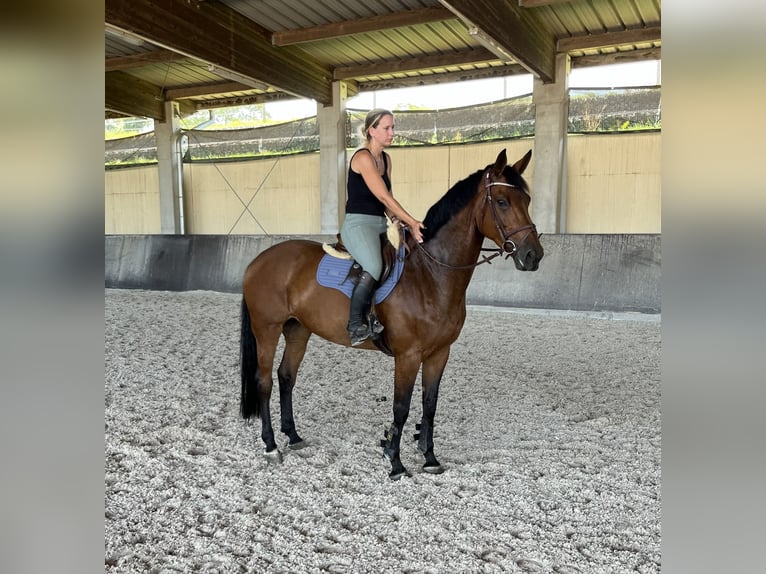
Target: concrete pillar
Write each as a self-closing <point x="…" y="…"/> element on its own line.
<point x="169" y="169"/>
<point x="332" y="160"/>
<point x="548" y="209"/>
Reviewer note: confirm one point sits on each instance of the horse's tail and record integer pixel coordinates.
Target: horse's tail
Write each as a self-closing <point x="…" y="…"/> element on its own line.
<point x="248" y="355"/>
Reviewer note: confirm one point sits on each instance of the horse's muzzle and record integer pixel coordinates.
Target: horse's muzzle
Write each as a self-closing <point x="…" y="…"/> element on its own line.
<point x="527" y="258"/>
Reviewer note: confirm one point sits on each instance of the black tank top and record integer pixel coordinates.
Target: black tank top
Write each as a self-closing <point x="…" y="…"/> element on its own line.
<point x="359" y="197"/>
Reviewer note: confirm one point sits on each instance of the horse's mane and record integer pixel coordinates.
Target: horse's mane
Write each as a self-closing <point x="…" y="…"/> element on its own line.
<point x="459" y="196"/>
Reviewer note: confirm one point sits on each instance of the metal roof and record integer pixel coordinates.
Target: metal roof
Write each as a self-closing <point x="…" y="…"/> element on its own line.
<point x="208" y="53"/>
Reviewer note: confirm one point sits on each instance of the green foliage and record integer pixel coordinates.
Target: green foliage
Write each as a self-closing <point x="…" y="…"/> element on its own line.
<point x="119" y="128"/>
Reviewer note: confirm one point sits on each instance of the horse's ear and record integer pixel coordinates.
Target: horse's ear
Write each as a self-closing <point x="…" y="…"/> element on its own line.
<point x="500" y="162"/>
<point x="522" y="164"/>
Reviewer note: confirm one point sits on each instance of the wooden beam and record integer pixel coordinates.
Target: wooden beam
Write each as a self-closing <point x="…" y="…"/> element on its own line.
<point x="461" y="58"/>
<point x="617" y="57"/>
<point x="126" y="94"/>
<point x="206" y="90"/>
<point x="447" y="77"/>
<point x="112" y="115"/>
<point x="515" y="30"/>
<point x="241" y="100"/>
<point x="362" y="25"/>
<point x="212" y="32"/>
<point x="610" y="39"/>
<point x="139" y="60"/>
<point x="537" y="3"/>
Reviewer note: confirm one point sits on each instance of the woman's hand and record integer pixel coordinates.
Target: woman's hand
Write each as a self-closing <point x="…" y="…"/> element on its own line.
<point x="415" y="228"/>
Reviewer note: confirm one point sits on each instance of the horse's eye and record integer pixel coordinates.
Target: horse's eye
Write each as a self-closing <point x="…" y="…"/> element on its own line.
<point x="501" y="203"/>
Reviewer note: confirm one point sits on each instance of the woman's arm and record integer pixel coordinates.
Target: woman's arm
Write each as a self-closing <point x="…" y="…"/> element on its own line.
<point x="365" y="165"/>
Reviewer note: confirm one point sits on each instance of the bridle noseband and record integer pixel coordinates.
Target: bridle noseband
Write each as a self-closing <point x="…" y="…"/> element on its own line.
<point x="508" y="246"/>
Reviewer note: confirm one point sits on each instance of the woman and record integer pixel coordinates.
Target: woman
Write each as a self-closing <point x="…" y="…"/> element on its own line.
<point x="369" y="200"/>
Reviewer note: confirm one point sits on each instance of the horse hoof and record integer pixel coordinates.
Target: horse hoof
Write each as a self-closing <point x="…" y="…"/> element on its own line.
<point x="301" y="444"/>
<point x="396" y="475"/>
<point x="273" y="457"/>
<point x="436" y="469"/>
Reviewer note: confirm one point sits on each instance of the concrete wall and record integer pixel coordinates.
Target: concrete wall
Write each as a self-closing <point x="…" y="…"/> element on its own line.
<point x="579" y="272"/>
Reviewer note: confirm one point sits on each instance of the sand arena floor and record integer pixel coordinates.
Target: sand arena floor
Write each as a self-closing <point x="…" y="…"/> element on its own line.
<point x="548" y="425"/>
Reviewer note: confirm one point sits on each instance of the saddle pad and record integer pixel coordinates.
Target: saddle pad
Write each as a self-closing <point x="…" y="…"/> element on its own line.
<point x="332" y="272"/>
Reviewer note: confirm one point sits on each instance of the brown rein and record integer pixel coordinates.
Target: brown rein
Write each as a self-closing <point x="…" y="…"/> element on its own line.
<point x="506" y="237"/>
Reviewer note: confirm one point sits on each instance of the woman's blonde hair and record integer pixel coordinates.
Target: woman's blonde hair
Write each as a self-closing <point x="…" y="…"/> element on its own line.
<point x="373" y="119"/>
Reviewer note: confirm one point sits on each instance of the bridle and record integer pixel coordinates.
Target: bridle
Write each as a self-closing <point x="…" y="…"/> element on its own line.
<point x="508" y="246"/>
<point x="507" y="241"/>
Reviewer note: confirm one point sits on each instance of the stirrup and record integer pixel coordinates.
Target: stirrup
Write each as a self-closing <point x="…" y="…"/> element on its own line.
<point x="375" y="326"/>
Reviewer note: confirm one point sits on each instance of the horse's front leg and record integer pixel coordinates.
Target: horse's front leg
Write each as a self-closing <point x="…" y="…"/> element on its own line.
<point x="405" y="372"/>
<point x="433" y="368"/>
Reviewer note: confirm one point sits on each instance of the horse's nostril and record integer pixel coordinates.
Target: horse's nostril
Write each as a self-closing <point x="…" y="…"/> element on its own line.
<point x="528" y="260"/>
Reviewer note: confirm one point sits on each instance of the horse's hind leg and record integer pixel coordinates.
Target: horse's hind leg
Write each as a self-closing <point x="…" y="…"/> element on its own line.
<point x="296" y="339"/>
<point x="267" y="338"/>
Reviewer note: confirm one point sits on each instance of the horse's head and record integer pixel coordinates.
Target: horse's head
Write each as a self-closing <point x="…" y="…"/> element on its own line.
<point x="503" y="215"/>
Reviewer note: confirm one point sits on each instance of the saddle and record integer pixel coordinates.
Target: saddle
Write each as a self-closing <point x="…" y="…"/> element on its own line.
<point x="390" y="241"/>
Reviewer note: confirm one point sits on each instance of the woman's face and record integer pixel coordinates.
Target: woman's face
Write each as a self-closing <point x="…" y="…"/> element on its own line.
<point x="384" y="132"/>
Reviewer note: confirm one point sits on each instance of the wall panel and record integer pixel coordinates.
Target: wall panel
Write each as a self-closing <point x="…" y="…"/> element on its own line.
<point x="132" y="200"/>
<point x="614" y="183"/>
<point x="613" y="186"/>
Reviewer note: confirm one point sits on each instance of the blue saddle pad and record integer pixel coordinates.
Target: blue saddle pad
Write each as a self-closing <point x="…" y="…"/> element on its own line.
<point x="332" y="272"/>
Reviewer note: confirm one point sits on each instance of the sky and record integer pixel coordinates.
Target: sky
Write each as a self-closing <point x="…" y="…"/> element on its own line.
<point x="466" y="93"/>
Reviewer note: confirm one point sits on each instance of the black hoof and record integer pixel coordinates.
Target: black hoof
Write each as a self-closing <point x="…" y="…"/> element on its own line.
<point x="397" y="474"/>
<point x="433" y="469"/>
<point x="301" y="444"/>
<point x="273" y="457"/>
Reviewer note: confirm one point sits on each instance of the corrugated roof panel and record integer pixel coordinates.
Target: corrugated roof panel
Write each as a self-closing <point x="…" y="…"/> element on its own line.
<point x="177" y="74"/>
<point x="115" y="46"/>
<point x="576" y="18"/>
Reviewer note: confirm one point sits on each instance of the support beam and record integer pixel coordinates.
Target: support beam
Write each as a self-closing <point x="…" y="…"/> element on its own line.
<point x="549" y="178"/>
<point x="538" y="3"/>
<point x="205" y="90"/>
<point x="169" y="170"/>
<point x="433" y="79"/>
<point x="361" y="26"/>
<point x="513" y="29"/>
<point x="212" y="32"/>
<point x="143" y="59"/>
<point x="332" y="160"/>
<point x="609" y="39"/>
<point x="229" y="101"/>
<point x="617" y="58"/>
<point x="461" y="58"/>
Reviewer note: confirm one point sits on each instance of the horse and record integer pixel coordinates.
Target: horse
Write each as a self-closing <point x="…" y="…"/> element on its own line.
<point x="423" y="315"/>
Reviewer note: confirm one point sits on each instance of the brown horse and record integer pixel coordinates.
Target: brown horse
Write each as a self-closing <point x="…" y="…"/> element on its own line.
<point x="423" y="315"/>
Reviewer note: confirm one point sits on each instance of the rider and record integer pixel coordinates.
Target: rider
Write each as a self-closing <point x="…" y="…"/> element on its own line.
<point x="369" y="199"/>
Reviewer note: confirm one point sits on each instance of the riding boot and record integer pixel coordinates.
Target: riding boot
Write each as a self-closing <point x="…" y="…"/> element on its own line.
<point x="361" y="300"/>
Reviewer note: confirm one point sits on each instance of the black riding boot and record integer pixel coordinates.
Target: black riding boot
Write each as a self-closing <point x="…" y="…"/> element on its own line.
<point x="361" y="301"/>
